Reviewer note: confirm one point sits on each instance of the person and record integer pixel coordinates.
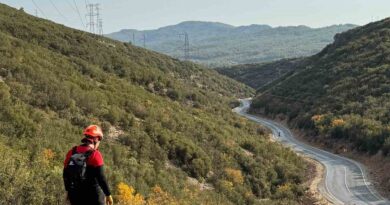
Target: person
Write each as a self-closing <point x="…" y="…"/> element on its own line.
<point x="88" y="187"/>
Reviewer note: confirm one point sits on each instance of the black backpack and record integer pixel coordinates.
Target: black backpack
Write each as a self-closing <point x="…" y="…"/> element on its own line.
<point x="75" y="171"/>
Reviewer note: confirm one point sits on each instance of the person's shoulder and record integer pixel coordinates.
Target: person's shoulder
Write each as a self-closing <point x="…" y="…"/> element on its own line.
<point x="97" y="153"/>
<point x="96" y="159"/>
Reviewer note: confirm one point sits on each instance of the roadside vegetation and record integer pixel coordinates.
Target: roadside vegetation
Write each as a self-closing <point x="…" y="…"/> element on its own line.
<point x="171" y="137"/>
<point x="341" y="95"/>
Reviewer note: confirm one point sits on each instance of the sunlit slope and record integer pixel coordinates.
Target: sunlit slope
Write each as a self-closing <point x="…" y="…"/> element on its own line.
<point x="164" y="120"/>
<point x="342" y="94"/>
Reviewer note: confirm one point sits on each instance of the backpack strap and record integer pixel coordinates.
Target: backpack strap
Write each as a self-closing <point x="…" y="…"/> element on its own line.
<point x="88" y="153"/>
<point x="74" y="150"/>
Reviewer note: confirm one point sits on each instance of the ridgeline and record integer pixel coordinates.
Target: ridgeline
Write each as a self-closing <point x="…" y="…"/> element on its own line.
<point x="217" y="44"/>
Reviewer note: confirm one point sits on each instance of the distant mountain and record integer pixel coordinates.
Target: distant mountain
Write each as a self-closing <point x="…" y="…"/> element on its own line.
<point x="217" y="44"/>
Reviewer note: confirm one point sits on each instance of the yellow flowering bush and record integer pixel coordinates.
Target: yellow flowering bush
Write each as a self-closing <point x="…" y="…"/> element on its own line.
<point x="48" y="155"/>
<point x="234" y="175"/>
<point x="338" y="122"/>
<point x="127" y="196"/>
<point x="317" y="118"/>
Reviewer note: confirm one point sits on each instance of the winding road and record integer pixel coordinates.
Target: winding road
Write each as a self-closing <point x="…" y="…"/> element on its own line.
<point x="345" y="180"/>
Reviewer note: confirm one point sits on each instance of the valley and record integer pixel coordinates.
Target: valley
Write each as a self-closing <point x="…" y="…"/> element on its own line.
<point x="195" y="113"/>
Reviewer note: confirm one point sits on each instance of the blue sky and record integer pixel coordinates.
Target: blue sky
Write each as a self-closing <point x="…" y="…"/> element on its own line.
<point x="150" y="14"/>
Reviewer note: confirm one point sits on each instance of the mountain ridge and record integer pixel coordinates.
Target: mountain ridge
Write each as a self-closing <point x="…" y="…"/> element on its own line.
<point x="214" y="44"/>
<point x="229" y="26"/>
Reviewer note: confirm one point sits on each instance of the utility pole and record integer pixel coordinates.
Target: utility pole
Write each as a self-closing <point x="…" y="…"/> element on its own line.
<point x="133" y="39"/>
<point x="36" y="12"/>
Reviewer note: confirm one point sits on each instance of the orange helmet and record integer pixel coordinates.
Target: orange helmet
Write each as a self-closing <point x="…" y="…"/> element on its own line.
<point x="93" y="131"/>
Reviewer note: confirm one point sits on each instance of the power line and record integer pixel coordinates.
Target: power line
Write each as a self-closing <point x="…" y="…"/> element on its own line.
<point x="78" y="12"/>
<point x="70" y="5"/>
<point x="86" y="4"/>
<point x="59" y="12"/>
<point x="40" y="10"/>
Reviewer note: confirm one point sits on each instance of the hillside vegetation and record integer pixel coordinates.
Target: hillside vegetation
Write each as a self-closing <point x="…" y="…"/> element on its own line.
<point x="216" y="44"/>
<point x="341" y="95"/>
<point x="259" y="75"/>
<point x="168" y="124"/>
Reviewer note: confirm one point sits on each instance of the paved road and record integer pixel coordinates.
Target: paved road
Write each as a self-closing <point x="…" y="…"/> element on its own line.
<point x="345" y="181"/>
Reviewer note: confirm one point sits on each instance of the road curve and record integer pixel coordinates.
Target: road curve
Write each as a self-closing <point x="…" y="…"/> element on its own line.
<point x="345" y="180"/>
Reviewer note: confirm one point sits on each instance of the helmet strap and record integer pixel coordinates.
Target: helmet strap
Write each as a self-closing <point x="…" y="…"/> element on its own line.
<point x="94" y="144"/>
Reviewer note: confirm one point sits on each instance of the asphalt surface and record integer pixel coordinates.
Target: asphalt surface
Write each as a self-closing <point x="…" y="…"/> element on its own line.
<point x="345" y="180"/>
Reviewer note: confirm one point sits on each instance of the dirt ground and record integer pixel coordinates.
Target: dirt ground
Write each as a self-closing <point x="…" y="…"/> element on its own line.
<point x="316" y="174"/>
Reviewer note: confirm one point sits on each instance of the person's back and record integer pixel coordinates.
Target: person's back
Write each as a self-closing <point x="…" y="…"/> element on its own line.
<point x="86" y="185"/>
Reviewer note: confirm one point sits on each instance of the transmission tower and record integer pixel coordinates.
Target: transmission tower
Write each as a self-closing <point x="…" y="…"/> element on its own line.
<point x="91" y="15"/>
<point x="95" y="22"/>
<point x="186" y="46"/>
<point x="99" y="20"/>
<point x="100" y="27"/>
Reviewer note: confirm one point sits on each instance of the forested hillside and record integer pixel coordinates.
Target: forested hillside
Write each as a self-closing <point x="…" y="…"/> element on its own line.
<point x="259" y="75"/>
<point x="171" y="137"/>
<point x="342" y="94"/>
<point x="216" y="44"/>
